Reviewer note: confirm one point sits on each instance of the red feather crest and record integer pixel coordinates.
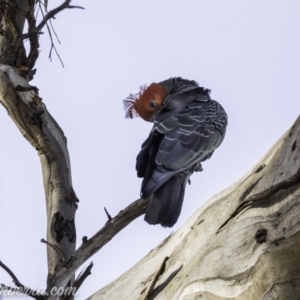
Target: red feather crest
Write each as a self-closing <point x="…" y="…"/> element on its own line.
<point x="130" y="102"/>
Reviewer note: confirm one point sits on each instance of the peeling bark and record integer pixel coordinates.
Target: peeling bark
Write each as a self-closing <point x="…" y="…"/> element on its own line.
<point x="36" y="124"/>
<point x="91" y="246"/>
<point x="30" y="115"/>
<point x="242" y="244"/>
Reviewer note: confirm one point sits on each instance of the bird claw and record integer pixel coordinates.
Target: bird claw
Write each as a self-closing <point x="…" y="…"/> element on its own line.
<point x="198" y="167"/>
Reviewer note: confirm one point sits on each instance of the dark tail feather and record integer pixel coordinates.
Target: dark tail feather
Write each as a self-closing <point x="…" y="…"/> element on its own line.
<point x="165" y="205"/>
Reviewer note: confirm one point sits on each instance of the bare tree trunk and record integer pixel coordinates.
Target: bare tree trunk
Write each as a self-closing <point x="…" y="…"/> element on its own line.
<point x="32" y="118"/>
<point x="12" y="20"/>
<point x="41" y="130"/>
<point x="30" y="115"/>
<point x="243" y="244"/>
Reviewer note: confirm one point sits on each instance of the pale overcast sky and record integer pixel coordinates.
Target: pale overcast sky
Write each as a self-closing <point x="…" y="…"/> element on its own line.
<point x="246" y="52"/>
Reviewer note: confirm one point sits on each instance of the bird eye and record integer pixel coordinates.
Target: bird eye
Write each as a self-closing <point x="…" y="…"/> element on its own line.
<point x="153" y="104"/>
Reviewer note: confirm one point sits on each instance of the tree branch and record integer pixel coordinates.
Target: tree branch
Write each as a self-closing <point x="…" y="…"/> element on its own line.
<point x="107" y="214"/>
<point x="12" y="20"/>
<point x="23" y="289"/>
<point x="33" y="38"/>
<point x="80" y="279"/>
<point x="51" y="14"/>
<point x="11" y="274"/>
<point x="263" y="238"/>
<point x="53" y="247"/>
<point x="101" y="238"/>
<point x="52" y="42"/>
<point x="44" y="134"/>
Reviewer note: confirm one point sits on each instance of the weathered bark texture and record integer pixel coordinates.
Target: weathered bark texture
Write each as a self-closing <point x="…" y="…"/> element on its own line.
<point x="30" y="115"/>
<point x="12" y="20"/>
<point x="243" y="244"/>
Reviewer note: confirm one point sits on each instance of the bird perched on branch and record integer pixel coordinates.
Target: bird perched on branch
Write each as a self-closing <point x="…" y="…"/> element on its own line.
<point x="188" y="127"/>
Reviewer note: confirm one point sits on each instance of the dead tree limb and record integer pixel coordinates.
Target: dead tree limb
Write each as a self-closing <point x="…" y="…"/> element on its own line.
<point x="242" y="244"/>
<point x="21" y="288"/>
<point x="44" y="134"/>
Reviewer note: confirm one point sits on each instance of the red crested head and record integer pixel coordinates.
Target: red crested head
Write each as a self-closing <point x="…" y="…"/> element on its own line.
<point x="146" y="102"/>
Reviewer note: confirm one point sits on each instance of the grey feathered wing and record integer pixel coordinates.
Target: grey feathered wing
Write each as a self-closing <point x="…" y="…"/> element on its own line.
<point x="178" y="143"/>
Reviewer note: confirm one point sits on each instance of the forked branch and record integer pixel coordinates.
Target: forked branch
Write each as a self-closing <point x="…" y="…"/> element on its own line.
<point x="101" y="238"/>
<point x="41" y="130"/>
<point x="50" y="15"/>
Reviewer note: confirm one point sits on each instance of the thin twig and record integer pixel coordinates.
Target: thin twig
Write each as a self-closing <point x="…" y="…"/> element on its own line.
<point x="37" y="11"/>
<point x="52" y="27"/>
<point x="55" y="11"/>
<point x="11" y="274"/>
<point x="81" y="278"/>
<point x="55" y="248"/>
<point x="53" y="47"/>
<point x="22" y="288"/>
<point x="50" y="21"/>
<point x="34" y="31"/>
<point x="52" y="43"/>
<point x="107" y="214"/>
<point x="79" y="274"/>
<point x="51" y="14"/>
<point x="96" y="242"/>
<point x="33" y="38"/>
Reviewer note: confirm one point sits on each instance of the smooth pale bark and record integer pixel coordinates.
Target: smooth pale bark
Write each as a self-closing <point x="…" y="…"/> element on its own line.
<point x="30" y="115"/>
<point x="36" y="124"/>
<point x="243" y="244"/>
